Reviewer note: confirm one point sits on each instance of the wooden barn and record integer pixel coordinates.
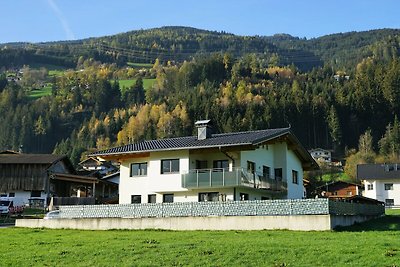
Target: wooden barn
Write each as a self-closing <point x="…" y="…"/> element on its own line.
<point x="33" y="179"/>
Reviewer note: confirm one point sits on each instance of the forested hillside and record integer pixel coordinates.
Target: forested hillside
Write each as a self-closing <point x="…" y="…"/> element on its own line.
<point x="74" y="97"/>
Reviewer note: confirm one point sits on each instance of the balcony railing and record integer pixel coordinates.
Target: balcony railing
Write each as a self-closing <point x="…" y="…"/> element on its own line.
<point x="212" y="178"/>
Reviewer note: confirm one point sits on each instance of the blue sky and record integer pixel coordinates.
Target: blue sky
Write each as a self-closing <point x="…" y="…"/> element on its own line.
<point x="53" y="20"/>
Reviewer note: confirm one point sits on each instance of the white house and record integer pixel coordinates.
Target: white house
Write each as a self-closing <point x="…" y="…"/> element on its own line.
<point x="253" y="165"/>
<point x="93" y="164"/>
<point x="381" y="181"/>
<point x="321" y="155"/>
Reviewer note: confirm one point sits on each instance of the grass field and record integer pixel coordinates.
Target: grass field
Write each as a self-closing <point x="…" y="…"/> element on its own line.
<point x="140" y="65"/>
<point x="56" y="73"/>
<point x="376" y="243"/>
<point x="35" y="94"/>
<point x="147" y="83"/>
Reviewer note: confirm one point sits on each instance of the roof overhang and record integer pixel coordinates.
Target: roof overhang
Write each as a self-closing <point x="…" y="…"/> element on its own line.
<point x="74" y="178"/>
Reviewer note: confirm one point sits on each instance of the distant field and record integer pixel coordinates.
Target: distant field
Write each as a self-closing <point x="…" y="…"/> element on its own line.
<point x="147" y="83"/>
<point x="45" y="91"/>
<point x="139" y="65"/>
<point x="376" y="243"/>
<point x="56" y="73"/>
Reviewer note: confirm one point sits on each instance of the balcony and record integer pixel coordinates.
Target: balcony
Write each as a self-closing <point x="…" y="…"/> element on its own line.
<point x="216" y="178"/>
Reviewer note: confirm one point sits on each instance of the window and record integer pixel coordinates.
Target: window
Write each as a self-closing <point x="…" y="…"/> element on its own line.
<point x="136" y="199"/>
<point x="388" y="186"/>
<point x="244" y="196"/>
<point x="209" y="196"/>
<point x="139" y="169"/>
<point x="201" y="164"/>
<point x="168" y="198"/>
<point x="151" y="198"/>
<point x="264" y="198"/>
<point x="3" y="195"/>
<point x="11" y="195"/>
<point x="295" y="177"/>
<point x="389" y="202"/>
<point x="266" y="172"/>
<point x="370" y="187"/>
<point x="278" y="173"/>
<point x="349" y="193"/>
<point x="221" y="164"/>
<point x="169" y="166"/>
<point x="36" y="193"/>
<point x="251" y="167"/>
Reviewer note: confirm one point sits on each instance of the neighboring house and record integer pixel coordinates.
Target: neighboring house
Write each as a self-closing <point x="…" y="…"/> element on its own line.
<point x="110" y="184"/>
<point x="321" y="155"/>
<point x="94" y="164"/>
<point x="113" y="178"/>
<point x="339" y="189"/>
<point x="264" y="164"/>
<point x="381" y="181"/>
<point x="31" y="179"/>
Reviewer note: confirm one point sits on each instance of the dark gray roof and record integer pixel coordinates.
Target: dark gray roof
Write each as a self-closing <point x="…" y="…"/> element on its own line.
<point x="250" y="138"/>
<point x="191" y="142"/>
<point x="378" y="171"/>
<point x="29" y="158"/>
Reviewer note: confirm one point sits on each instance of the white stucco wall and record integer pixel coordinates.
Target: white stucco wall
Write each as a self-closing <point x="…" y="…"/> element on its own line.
<point x="295" y="191"/>
<point x="263" y="156"/>
<point x="154" y="181"/>
<point x="380" y="193"/>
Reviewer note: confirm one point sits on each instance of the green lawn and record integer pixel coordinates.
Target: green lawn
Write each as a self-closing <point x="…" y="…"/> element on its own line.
<point x="56" y="73"/>
<point x="147" y="83"/>
<point x="140" y="65"/>
<point x="392" y="212"/>
<point x="376" y="243"/>
<point x="35" y="94"/>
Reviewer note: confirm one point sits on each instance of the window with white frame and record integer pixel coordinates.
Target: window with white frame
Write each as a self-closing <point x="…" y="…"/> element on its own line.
<point x="388" y="187"/>
<point x="370" y="187"/>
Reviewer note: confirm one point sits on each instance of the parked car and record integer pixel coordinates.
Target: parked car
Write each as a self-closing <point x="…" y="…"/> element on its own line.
<point x="55" y="214"/>
<point x="5" y="206"/>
